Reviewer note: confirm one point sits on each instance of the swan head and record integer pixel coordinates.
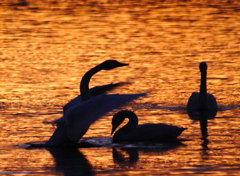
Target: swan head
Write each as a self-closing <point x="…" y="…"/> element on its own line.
<point x="111" y="64"/>
<point x="117" y="119"/>
<point x="203" y="67"/>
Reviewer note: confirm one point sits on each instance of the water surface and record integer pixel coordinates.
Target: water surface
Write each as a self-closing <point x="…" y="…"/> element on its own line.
<point x="46" y="47"/>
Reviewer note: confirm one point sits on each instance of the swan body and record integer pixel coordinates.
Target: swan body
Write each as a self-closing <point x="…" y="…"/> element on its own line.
<point x="132" y="132"/>
<point x="194" y="105"/>
<point x="202" y="100"/>
<point x="85" y="92"/>
<point x="75" y="123"/>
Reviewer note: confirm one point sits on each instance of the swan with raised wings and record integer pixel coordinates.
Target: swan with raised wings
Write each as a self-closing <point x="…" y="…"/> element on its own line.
<point x="202" y="100"/>
<point x="132" y="132"/>
<point x="75" y="123"/>
<point x="87" y="93"/>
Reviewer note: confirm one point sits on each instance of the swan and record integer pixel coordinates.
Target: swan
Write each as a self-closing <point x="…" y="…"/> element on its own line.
<point x="203" y="100"/>
<point x="76" y="121"/>
<point x="87" y="93"/>
<point x="144" y="132"/>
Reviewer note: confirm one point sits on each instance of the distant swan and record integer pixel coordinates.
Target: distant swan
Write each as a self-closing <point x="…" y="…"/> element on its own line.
<point x="203" y="100"/>
<point x="144" y="132"/>
<point x="87" y="93"/>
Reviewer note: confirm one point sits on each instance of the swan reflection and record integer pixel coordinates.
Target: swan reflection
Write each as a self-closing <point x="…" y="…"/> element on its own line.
<point x="127" y="155"/>
<point x="203" y="117"/>
<point x="71" y="161"/>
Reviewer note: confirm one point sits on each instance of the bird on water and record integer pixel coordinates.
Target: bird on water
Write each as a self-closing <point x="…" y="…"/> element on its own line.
<point x="132" y="132"/>
<point x="202" y="100"/>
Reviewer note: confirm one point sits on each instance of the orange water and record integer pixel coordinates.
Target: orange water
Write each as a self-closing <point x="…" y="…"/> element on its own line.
<point x="47" y="46"/>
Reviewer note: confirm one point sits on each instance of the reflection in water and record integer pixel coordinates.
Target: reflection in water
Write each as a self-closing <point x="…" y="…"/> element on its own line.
<point x="128" y="155"/>
<point x="202" y="117"/>
<point x="71" y="161"/>
<point x="125" y="156"/>
<point x="203" y="124"/>
<point x="198" y="115"/>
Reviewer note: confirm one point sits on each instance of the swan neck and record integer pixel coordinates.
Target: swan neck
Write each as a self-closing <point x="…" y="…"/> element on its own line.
<point x="203" y="84"/>
<point x="131" y="125"/>
<point x="84" y="84"/>
<point x="203" y="91"/>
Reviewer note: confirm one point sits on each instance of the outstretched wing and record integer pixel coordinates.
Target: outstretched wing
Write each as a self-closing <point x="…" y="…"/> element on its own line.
<point x="95" y="91"/>
<point x="75" y="123"/>
<point x="81" y="117"/>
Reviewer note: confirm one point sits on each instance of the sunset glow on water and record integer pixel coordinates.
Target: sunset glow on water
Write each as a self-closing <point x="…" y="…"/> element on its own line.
<point x="47" y="46"/>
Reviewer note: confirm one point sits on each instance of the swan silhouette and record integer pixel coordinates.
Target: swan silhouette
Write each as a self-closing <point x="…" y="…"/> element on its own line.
<point x="202" y="100"/>
<point x="75" y="123"/>
<point x="87" y="93"/>
<point x="132" y="132"/>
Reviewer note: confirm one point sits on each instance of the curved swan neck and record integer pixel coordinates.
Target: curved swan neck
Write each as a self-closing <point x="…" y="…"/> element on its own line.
<point x="132" y="122"/>
<point x="131" y="125"/>
<point x="84" y="84"/>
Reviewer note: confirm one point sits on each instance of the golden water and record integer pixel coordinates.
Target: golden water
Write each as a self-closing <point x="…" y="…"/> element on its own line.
<point x="47" y="46"/>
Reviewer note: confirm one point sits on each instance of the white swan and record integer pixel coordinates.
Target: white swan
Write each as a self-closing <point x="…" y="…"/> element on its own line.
<point x="87" y="93"/>
<point x="75" y="123"/>
<point x="203" y="100"/>
<point x="132" y="132"/>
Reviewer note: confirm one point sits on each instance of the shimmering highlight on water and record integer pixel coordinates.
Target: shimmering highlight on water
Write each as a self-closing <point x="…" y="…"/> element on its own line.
<point x="47" y="46"/>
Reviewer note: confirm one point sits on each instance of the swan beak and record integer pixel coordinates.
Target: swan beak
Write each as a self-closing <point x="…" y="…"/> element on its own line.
<point x="122" y="64"/>
<point x="113" y="129"/>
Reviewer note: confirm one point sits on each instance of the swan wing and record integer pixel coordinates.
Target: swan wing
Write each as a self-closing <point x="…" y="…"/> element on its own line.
<point x="71" y="103"/>
<point x="212" y="102"/>
<point x="81" y="117"/>
<point x="97" y="90"/>
<point x="192" y="103"/>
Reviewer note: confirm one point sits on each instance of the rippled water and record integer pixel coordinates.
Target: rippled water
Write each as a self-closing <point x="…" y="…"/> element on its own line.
<point x="47" y="46"/>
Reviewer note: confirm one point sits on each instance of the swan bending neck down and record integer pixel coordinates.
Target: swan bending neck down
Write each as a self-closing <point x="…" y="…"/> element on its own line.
<point x="132" y="132"/>
<point x="85" y="92"/>
<point x="202" y="100"/>
<point x="84" y="84"/>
